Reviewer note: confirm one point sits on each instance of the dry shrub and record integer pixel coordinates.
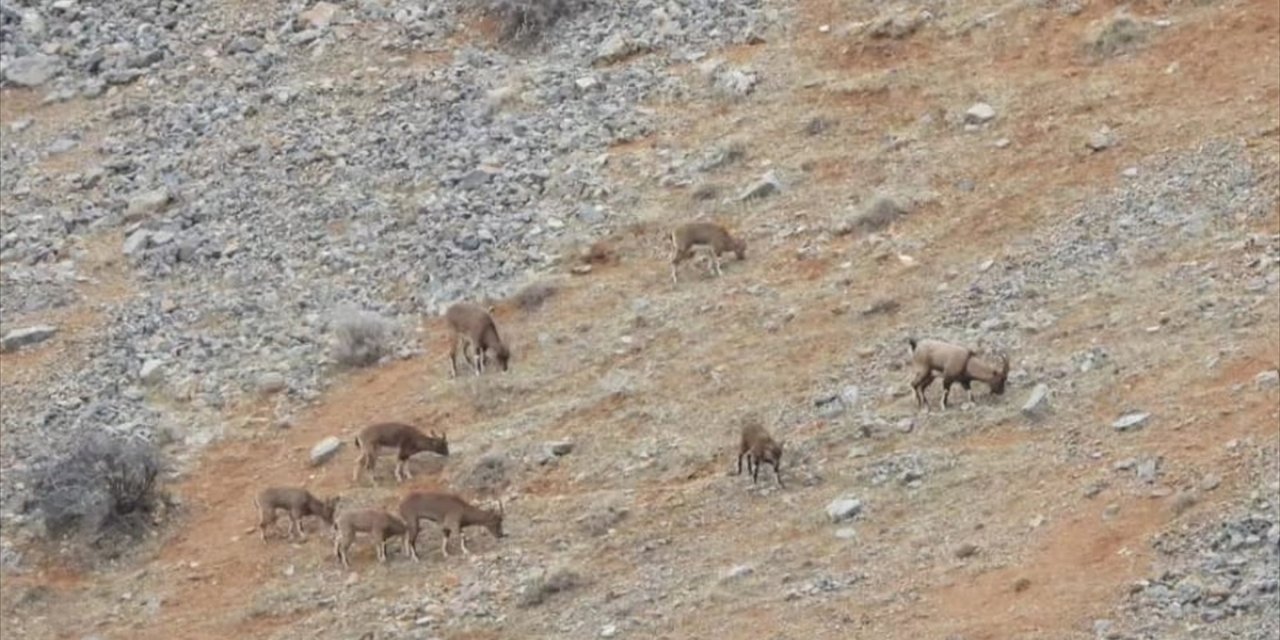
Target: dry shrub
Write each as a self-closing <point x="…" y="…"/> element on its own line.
<point x="104" y="489"/>
<point x="1116" y="35"/>
<point x="361" y="338"/>
<point x="524" y="21"/>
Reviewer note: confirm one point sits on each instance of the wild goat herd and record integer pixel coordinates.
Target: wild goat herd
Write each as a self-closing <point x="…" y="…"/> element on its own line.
<point x="474" y="330"/>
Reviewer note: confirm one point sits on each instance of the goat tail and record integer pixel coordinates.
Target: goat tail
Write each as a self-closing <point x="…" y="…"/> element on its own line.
<point x="358" y="445"/>
<point x="913" y="342"/>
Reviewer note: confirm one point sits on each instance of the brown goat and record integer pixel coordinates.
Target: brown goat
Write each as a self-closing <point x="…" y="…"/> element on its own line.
<point x="405" y="439"/>
<point x="379" y="524"/>
<point x="956" y="364"/>
<point x="299" y="503"/>
<point x="473" y="326"/>
<point x="686" y="236"/>
<point x="759" y="447"/>
<point x="452" y="513"/>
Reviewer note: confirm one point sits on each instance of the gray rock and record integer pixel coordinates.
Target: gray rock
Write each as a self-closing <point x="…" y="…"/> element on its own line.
<point x="1269" y="379"/>
<point x="62" y="145"/>
<point x="615" y="48"/>
<point x="609" y="631"/>
<point x="560" y="448"/>
<point x="26" y="336"/>
<point x="33" y="70"/>
<point x="767" y="185"/>
<point x="1132" y="421"/>
<point x="324" y="450"/>
<point x="738" y="572"/>
<point x="136" y="242"/>
<point x="1101" y="139"/>
<point x="271" y="382"/>
<point x="1147" y="470"/>
<point x="146" y="204"/>
<point x="152" y="371"/>
<point x="842" y="509"/>
<point x="1038" y="401"/>
<point x="846" y="533"/>
<point x="878" y="213"/>
<point x="979" y="113"/>
<point x="1210" y="481"/>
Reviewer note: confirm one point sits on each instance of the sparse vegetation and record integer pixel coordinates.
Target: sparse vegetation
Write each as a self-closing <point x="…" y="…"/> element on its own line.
<point x="1116" y="35"/>
<point x="361" y="338"/>
<point x="525" y="21"/>
<point x="104" y="489"/>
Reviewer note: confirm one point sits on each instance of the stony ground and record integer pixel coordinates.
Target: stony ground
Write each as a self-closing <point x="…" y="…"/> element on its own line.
<point x="198" y="196"/>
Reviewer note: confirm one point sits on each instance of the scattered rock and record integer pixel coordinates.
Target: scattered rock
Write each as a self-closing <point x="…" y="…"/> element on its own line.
<point x="1269" y="379"/>
<point x="738" y="572"/>
<point x="560" y="448"/>
<point x="324" y="450"/>
<point x="1147" y="470"/>
<point x="146" y="204"/>
<point x="1131" y="422"/>
<point x="614" y="48"/>
<point x="543" y="585"/>
<point x="1038" y="401"/>
<point x="33" y="70"/>
<point x="1102" y="139"/>
<point x="881" y="211"/>
<point x="152" y="372"/>
<point x="766" y="186"/>
<point x="899" y="24"/>
<point x="966" y="550"/>
<point x="271" y="382"/>
<point x="980" y="113"/>
<point x="609" y="631"/>
<point x="882" y="306"/>
<point x="19" y="338"/>
<point x="842" y="509"/>
<point x="847" y="533"/>
<point x="1210" y="482"/>
<point x="136" y="242"/>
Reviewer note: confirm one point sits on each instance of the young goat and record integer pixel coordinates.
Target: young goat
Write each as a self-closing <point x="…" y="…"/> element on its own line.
<point x="407" y="440"/>
<point x="759" y="448"/>
<point x="298" y="502"/>
<point x="452" y="513"/>
<point x="957" y="364"/>
<point x="686" y="236"/>
<point x="379" y="524"/>
<point x="473" y="327"/>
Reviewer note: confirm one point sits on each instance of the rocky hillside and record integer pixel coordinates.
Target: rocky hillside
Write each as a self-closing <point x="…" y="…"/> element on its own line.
<point x="229" y="229"/>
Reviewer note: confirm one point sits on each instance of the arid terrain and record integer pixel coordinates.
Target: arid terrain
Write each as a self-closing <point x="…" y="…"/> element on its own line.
<point x="1090" y="188"/>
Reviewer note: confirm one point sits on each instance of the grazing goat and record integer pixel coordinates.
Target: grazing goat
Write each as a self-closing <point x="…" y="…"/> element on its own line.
<point x="473" y="326"/>
<point x="686" y="236"/>
<point x="298" y="502"/>
<point x="379" y="524"/>
<point x="957" y="364"/>
<point x="759" y="448"/>
<point x="452" y="513"/>
<point x="406" y="439"/>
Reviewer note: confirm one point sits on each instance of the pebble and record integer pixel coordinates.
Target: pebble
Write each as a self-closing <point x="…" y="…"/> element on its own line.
<point x="842" y="509"/>
<point x="979" y="113"/>
<point x="1038" y="401"/>
<point x="1131" y="422"/>
<point x="324" y="450"/>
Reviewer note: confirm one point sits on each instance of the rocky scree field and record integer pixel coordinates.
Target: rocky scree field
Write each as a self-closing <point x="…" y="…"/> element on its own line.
<point x="228" y="229"/>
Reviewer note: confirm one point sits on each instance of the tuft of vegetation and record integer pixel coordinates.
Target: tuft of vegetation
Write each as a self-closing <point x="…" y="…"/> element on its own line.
<point x="104" y="489"/>
<point x="525" y="21"/>
<point x="1116" y="35"/>
<point x="361" y="338"/>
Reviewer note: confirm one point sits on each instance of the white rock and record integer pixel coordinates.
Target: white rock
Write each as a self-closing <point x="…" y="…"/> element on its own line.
<point x="740" y="571"/>
<point x="324" y="450"/>
<point x="609" y="631"/>
<point x="152" y="371"/>
<point x="842" y="509"/>
<point x="979" y="113"/>
<point x="1132" y="421"/>
<point x="1038" y="400"/>
<point x="19" y="338"/>
<point x="586" y="83"/>
<point x="1267" y="379"/>
<point x="33" y="70"/>
<point x="847" y="533"/>
<point x="137" y="241"/>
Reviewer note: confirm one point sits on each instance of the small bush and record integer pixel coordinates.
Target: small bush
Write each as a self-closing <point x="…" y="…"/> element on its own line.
<point x="1117" y="35"/>
<point x="361" y="338"/>
<point x="105" y="488"/>
<point x="526" y="20"/>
